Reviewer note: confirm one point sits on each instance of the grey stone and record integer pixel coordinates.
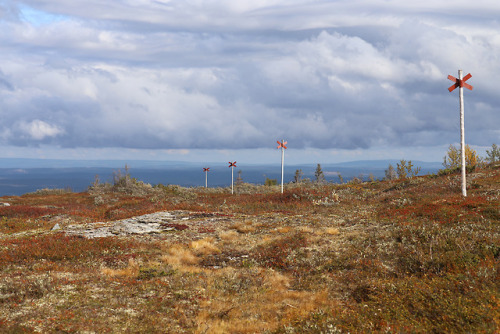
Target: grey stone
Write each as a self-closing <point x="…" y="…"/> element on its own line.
<point x="146" y="224"/>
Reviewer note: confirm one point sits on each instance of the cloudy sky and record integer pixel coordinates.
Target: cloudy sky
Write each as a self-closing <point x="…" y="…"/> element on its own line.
<point x="223" y="80"/>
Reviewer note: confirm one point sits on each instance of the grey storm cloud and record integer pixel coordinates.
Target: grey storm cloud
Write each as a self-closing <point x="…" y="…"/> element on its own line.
<point x="239" y="74"/>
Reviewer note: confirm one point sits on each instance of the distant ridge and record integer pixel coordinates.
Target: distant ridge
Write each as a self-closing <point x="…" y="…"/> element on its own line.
<point x="68" y="163"/>
<point x="384" y="164"/>
<point x="62" y="163"/>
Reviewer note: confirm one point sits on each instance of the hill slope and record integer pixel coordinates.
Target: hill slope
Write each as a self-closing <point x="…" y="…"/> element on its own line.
<point x="403" y="256"/>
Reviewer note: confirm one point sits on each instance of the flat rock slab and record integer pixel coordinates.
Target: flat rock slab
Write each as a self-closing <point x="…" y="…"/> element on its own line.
<point x="146" y="224"/>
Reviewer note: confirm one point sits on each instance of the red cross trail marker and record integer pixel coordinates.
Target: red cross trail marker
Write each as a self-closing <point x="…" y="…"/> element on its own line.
<point x="282" y="145"/>
<point x="232" y="165"/>
<point x="206" y="170"/>
<point x="461" y="83"/>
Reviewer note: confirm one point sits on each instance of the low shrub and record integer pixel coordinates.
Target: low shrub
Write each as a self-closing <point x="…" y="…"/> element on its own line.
<point x="58" y="247"/>
<point x="276" y="253"/>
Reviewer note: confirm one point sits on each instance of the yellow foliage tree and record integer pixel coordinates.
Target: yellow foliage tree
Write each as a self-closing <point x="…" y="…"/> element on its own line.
<point x="452" y="159"/>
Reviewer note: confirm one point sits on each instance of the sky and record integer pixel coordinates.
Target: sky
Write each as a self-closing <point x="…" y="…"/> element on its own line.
<point x="219" y="80"/>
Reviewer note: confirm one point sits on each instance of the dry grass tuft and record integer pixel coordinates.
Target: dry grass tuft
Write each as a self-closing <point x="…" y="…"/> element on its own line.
<point x="243" y="227"/>
<point x="179" y="255"/>
<point x="263" y="301"/>
<point x="204" y="246"/>
<point x="277" y="281"/>
<point x="284" y="229"/>
<point x="331" y="231"/>
<point x="131" y="271"/>
<point x="306" y="229"/>
<point x="227" y="236"/>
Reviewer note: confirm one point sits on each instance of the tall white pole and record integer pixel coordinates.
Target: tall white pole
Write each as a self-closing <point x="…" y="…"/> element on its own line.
<point x="462" y="133"/>
<point x="206" y="179"/>
<point x="232" y="180"/>
<point x="282" y="163"/>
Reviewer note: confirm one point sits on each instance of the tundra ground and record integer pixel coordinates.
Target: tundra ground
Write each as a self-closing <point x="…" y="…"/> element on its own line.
<point x="399" y="256"/>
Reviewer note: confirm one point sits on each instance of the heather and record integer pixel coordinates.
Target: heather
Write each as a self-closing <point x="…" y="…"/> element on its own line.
<point x="399" y="256"/>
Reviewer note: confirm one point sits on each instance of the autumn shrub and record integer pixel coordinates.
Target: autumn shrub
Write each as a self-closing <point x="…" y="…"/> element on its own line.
<point x="414" y="305"/>
<point x="276" y="253"/>
<point x="52" y="191"/>
<point x="26" y="211"/>
<point x="425" y="277"/>
<point x="431" y="249"/>
<point x="12" y="327"/>
<point x="248" y="188"/>
<point x="18" y="289"/>
<point x="19" y="224"/>
<point x="474" y="208"/>
<point x="128" y="207"/>
<point x="58" y="247"/>
<point x="294" y="199"/>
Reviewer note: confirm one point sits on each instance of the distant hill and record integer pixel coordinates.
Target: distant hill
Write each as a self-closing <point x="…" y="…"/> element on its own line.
<point x="62" y="163"/>
<point x="383" y="164"/>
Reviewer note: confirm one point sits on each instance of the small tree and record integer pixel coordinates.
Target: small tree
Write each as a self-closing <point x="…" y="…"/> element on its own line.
<point x="390" y="173"/>
<point x="122" y="180"/>
<point x="270" y="182"/>
<point x="493" y="156"/>
<point x="341" y="178"/>
<point x="471" y="158"/>
<point x="401" y="169"/>
<point x="406" y="169"/>
<point x="453" y="160"/>
<point x="239" y="179"/>
<point x="356" y="180"/>
<point x="298" y="176"/>
<point x="320" y="176"/>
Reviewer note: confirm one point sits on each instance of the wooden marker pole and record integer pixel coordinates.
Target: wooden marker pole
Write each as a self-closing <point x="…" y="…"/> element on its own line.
<point x="232" y="165"/>
<point x="282" y="167"/>
<point x="206" y="176"/>
<point x="462" y="134"/>
<point x="282" y="145"/>
<point x="461" y="83"/>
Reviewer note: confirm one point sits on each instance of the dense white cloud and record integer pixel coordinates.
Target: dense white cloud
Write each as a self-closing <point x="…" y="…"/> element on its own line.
<point x="184" y="74"/>
<point x="38" y="130"/>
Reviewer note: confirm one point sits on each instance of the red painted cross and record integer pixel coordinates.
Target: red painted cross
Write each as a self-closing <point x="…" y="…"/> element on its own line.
<point x="282" y="144"/>
<point x="460" y="83"/>
<point x="206" y="169"/>
<point x="232" y="164"/>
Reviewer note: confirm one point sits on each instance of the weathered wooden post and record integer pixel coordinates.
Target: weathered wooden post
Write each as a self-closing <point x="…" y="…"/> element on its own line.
<point x="283" y="147"/>
<point x="232" y="165"/>
<point x="461" y="83"/>
<point x="206" y="170"/>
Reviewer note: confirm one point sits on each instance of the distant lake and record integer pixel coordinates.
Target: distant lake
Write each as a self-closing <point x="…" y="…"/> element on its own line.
<point x="18" y="181"/>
